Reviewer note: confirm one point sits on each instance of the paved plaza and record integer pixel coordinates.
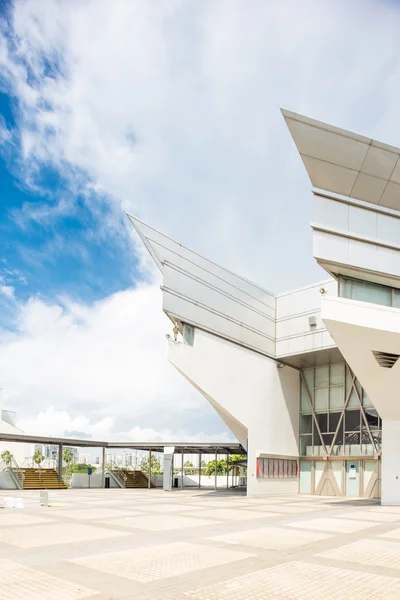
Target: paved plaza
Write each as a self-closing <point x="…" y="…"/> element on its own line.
<point x="150" y="545"/>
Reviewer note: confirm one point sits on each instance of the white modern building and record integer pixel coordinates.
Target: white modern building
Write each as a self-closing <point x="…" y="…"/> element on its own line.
<point x="8" y="424"/>
<point x="307" y="381"/>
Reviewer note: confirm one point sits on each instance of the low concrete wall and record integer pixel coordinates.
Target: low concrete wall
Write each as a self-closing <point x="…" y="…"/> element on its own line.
<point x="7" y="482"/>
<point x="193" y="481"/>
<point x="83" y="480"/>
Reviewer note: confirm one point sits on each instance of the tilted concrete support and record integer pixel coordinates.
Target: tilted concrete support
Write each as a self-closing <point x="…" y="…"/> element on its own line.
<point x="390" y="473"/>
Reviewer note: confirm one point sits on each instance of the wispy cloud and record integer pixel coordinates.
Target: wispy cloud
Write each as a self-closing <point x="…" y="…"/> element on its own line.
<point x="172" y="112"/>
<point x="102" y="364"/>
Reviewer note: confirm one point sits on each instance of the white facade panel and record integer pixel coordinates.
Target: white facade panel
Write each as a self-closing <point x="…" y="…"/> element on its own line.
<point x="360" y="244"/>
<point x="294" y="334"/>
<point x="297" y="345"/>
<point x="282" y="347"/>
<point x="362" y="222"/>
<point x="314" y="341"/>
<point x="329" y="247"/>
<point x="388" y="229"/>
<point x="164" y="248"/>
<point x="326" y="211"/>
<point x="261" y="399"/>
<point x="191" y="312"/>
<point x="250" y="296"/>
<point x="217" y="300"/>
<point x="363" y="255"/>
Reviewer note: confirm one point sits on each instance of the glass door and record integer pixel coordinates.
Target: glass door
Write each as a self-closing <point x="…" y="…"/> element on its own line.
<point x="352" y="478"/>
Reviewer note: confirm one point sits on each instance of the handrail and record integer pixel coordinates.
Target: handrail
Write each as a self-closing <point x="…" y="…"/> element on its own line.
<point x="11" y="464"/>
<point x="47" y="463"/>
<point x="130" y="466"/>
<point x="117" y="471"/>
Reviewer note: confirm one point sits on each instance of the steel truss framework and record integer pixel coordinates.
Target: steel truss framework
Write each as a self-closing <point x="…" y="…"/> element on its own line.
<point x="358" y="395"/>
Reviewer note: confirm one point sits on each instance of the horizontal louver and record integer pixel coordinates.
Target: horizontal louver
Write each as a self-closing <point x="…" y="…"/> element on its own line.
<point x="385" y="359"/>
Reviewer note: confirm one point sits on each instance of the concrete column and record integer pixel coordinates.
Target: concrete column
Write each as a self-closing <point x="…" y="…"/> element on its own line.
<point x="167" y="477"/>
<point x="149" y="473"/>
<point x="215" y="472"/>
<point x="172" y="471"/>
<point x="60" y="461"/>
<point x="199" y="470"/>
<point x="103" y="468"/>
<point x="390" y="482"/>
<point x="182" y="459"/>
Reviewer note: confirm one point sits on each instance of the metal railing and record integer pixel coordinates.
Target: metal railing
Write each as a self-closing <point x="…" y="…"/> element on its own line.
<point x="117" y="472"/>
<point x="47" y="463"/>
<point x="10" y="465"/>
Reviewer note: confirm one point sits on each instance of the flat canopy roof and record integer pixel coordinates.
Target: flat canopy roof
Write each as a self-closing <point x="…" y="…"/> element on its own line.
<point x="184" y="447"/>
<point x="346" y="163"/>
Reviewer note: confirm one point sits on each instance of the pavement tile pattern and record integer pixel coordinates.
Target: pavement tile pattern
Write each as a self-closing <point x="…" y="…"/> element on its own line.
<point x="197" y="544"/>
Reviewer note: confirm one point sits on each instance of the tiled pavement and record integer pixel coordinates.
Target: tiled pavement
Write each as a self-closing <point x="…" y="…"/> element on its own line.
<point x="153" y="545"/>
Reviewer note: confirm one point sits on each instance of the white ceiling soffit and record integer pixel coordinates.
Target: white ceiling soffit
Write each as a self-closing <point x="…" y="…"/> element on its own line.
<point x="345" y="163"/>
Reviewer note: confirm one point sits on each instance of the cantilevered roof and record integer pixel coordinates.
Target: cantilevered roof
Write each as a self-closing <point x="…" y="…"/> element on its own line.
<point x="345" y="163"/>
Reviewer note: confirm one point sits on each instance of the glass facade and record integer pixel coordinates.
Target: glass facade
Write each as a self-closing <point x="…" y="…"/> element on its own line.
<point x="336" y="416"/>
<point x="366" y="291"/>
<point x="188" y="335"/>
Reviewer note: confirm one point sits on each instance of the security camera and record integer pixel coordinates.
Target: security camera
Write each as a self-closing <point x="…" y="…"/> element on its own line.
<point x="280" y="366"/>
<point x="167" y="336"/>
<point x="322" y="291"/>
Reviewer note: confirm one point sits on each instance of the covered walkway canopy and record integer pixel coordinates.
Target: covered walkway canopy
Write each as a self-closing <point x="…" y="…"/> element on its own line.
<point x="181" y="447"/>
<point x="167" y="448"/>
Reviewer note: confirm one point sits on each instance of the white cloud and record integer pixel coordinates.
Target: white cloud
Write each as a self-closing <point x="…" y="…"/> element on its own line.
<point x="7" y="291"/>
<point x="170" y="110"/>
<point x="100" y="370"/>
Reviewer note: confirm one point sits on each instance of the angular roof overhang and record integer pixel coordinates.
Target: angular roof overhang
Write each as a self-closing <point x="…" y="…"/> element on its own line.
<point x="345" y="163"/>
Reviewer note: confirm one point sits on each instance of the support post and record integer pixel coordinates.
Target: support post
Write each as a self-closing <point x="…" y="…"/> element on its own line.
<point x="60" y="462"/>
<point x="182" y="459"/>
<point x="199" y="470"/>
<point x="227" y="472"/>
<point x="149" y="473"/>
<point x="172" y="471"/>
<point x="390" y="482"/>
<point x="215" y="471"/>
<point x="103" y="468"/>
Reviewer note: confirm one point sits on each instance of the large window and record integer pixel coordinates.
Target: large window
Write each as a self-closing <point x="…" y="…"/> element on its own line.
<point x="366" y="291"/>
<point x="276" y="468"/>
<point x="336" y="415"/>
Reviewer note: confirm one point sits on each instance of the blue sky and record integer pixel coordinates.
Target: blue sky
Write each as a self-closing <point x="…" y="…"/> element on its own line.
<point x="49" y="256"/>
<point x="168" y="110"/>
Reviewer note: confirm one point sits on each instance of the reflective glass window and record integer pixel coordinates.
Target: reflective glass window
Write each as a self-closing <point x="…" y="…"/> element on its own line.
<point x="365" y="291"/>
<point x="322" y="376"/>
<point x="336" y="397"/>
<point x="336" y="374"/>
<point x="321" y="399"/>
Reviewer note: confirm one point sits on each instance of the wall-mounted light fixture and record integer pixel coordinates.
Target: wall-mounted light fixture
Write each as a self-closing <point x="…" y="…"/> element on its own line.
<point x="312" y="321"/>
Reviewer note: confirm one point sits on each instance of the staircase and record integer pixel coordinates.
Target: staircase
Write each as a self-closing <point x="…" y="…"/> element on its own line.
<point x="136" y="479"/>
<point x="42" y="479"/>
